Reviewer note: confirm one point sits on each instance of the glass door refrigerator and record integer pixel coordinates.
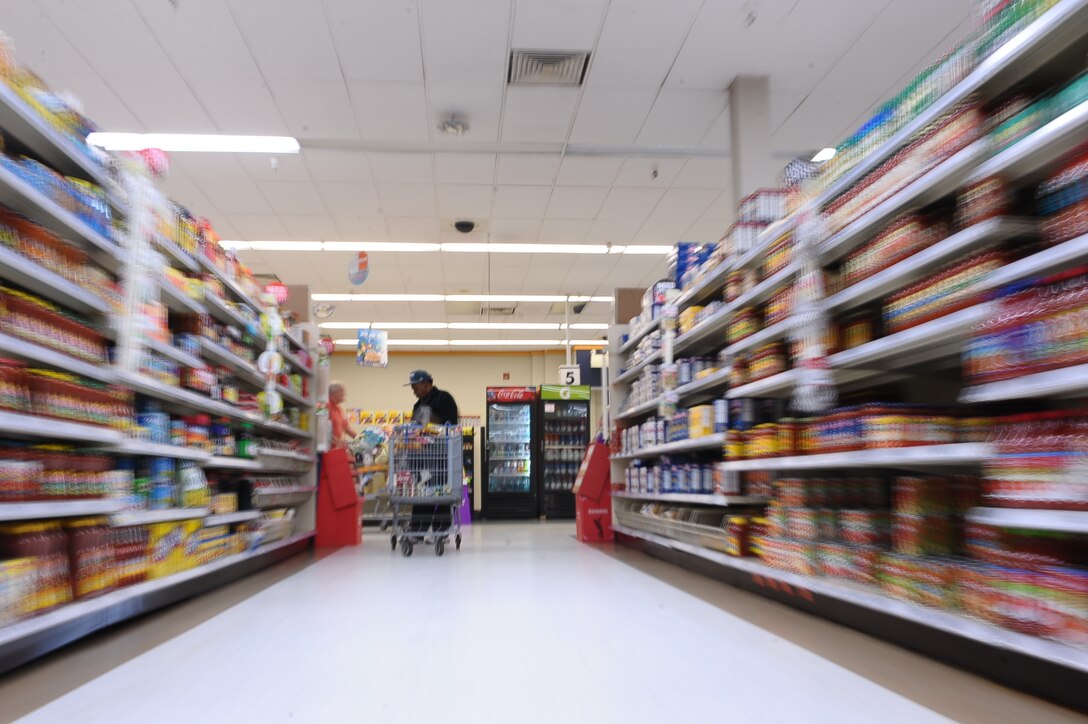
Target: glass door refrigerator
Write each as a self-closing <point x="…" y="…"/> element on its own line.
<point x="510" y="469"/>
<point x="564" y="435"/>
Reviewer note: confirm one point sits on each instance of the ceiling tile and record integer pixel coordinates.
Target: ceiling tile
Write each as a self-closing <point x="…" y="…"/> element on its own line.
<point x="201" y="39"/>
<point x="557" y="24"/>
<point x="475" y="52"/>
<point x="615" y="231"/>
<point x="611" y="117"/>
<point x="258" y="227"/>
<point x="464" y="168"/>
<point x="515" y="230"/>
<point x="41" y="46"/>
<point x="284" y="167"/>
<point x="239" y="105"/>
<point x="589" y="170"/>
<point x="656" y="29"/>
<point x="464" y="200"/>
<point x="310" y="227"/>
<point x="520" y="202"/>
<point x="119" y="44"/>
<point x="315" y="108"/>
<point x="538" y="115"/>
<point x="576" y="202"/>
<point x="704" y="173"/>
<point x="705" y="232"/>
<point x="527" y="168"/>
<point x="681" y="118"/>
<point x="358" y="226"/>
<point x="293" y="197"/>
<point x="162" y="102"/>
<point x="337" y="165"/>
<point x="412" y="228"/>
<point x="407" y="199"/>
<point x="722" y="209"/>
<point x="99" y="102"/>
<point x="377" y="41"/>
<point x="639" y="171"/>
<point x="658" y="231"/>
<point x="289" y="38"/>
<point x="718" y="137"/>
<point x="390" y="112"/>
<point x="685" y="205"/>
<point x="480" y="106"/>
<point x="565" y="231"/>
<point x="235" y="196"/>
<point x="217" y="166"/>
<point x="632" y="204"/>
<point x="342" y="197"/>
<point x="412" y="168"/>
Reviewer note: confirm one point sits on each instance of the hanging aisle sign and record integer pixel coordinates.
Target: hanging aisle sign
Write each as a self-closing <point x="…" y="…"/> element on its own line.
<point x="564" y="392"/>
<point x="359" y="269"/>
<point x="373" y="348"/>
<point x="570" y="374"/>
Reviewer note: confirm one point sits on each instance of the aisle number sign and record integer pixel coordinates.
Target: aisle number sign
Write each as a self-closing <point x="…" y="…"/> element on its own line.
<point x="570" y="375"/>
<point x="564" y="392"/>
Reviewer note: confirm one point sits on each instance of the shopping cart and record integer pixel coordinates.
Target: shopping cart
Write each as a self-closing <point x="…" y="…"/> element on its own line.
<point x="424" y="470"/>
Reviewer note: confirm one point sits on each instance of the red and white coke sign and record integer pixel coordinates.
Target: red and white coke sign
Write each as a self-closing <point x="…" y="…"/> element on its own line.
<point x="511" y="394"/>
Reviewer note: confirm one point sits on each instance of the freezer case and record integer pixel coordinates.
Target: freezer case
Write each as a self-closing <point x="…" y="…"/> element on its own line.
<point x="564" y="435"/>
<point x="510" y="469"/>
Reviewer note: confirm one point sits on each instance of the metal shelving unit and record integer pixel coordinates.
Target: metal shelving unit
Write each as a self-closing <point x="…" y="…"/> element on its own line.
<point x="228" y="463"/>
<point x="38" y="279"/>
<point x="152" y="449"/>
<point x="709" y="442"/>
<point x="1065" y="521"/>
<point x="36" y="510"/>
<point x="953" y="454"/>
<point x="16" y="347"/>
<point x="1064" y="382"/>
<point x="148" y="517"/>
<point x="721" y="501"/>
<point x="21" y="425"/>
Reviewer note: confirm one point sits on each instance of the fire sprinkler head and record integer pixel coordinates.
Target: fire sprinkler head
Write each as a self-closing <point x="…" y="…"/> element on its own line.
<point x="453" y="126"/>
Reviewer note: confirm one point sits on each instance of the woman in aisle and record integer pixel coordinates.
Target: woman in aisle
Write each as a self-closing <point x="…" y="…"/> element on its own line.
<point x="339" y="423"/>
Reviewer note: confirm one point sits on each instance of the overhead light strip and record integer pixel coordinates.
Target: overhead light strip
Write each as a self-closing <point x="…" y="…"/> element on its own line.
<point x="526" y="298"/>
<point x="545" y="326"/>
<point x="451" y="247"/>
<point x="348" y="342"/>
<point x="193" y="142"/>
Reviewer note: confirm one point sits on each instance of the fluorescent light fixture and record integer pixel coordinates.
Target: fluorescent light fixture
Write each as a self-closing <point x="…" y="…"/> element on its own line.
<point x="344" y="325"/>
<point x="506" y="343"/>
<point x="546" y="298"/>
<point x="453" y="247"/>
<point x="378" y="297"/>
<point x="193" y="142"/>
<point x="589" y="299"/>
<point x="480" y="343"/>
<point x="418" y="343"/>
<point x="487" y="248"/>
<point x="824" y="154"/>
<point x="586" y="325"/>
<point x="380" y="246"/>
<point x="462" y="325"/>
<point x="504" y="325"/>
<point x="408" y="325"/>
<point x="273" y="245"/>
<point x="648" y="249"/>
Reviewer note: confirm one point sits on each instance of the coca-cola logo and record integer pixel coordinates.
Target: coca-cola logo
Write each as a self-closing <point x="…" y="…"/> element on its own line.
<point x="512" y="394"/>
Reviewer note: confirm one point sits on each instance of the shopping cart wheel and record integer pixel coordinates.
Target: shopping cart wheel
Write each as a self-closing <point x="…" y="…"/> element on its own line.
<point x="457" y="541"/>
<point x="439" y="547"/>
<point x="393" y="542"/>
<point x="406" y="547"/>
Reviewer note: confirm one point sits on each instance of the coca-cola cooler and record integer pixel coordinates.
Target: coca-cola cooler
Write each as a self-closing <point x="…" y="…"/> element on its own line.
<point x="510" y="470"/>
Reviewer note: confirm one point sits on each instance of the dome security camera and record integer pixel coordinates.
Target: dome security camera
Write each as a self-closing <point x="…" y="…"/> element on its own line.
<point x="465" y="227"/>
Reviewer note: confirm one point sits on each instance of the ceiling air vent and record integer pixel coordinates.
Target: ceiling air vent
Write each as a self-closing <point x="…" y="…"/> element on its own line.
<point x="499" y="311"/>
<point x="548" y="67"/>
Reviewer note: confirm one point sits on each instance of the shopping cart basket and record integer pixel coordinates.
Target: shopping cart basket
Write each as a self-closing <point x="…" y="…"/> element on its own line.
<point x="425" y="471"/>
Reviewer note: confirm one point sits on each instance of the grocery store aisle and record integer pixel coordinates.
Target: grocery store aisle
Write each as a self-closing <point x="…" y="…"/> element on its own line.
<point x="523" y="624"/>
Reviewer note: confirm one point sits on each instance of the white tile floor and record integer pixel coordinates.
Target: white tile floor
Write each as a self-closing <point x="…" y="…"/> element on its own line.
<point x="522" y="625"/>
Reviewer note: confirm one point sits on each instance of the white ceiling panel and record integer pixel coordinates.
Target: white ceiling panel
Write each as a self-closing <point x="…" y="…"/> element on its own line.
<point x="610" y="116"/>
<point x="480" y="106"/>
<point x="681" y="118"/>
<point x="100" y="102"/>
<point x="577" y="202"/>
<point x="402" y="168"/>
<point x="162" y="102"/>
<point x="704" y="173"/>
<point x="40" y="46"/>
<point x="639" y="171"/>
<point x="235" y="196"/>
<point x="119" y="43"/>
<point x="201" y="39"/>
<point x="515" y="230"/>
<point x="290" y="39"/>
<point x="412" y="228"/>
<point x="258" y="226"/>
<point x="464" y="168"/>
<point x="615" y="231"/>
<point x="337" y="165"/>
<point x="311" y="227"/>
<point x="292" y="197"/>
<point x="390" y="112"/>
<point x="683" y="204"/>
<point x="630" y="204"/>
<point x="527" y="169"/>
<point x="377" y="41"/>
<point x="565" y="231"/>
<point x="718" y="137"/>
<point x="820" y="120"/>
<point x="660" y="231"/>
<point x="275" y="168"/>
<point x="359" y="226"/>
<point x="520" y="202"/>
<point x="589" y="170"/>
<point x="705" y="232"/>
<point x="557" y="24"/>
<point x="639" y="42"/>
<point x="315" y="108"/>
<point x="180" y="188"/>
<point x="408" y="199"/>
<point x="538" y="115"/>
<point x="464" y="200"/>
<point x="217" y="166"/>
<point x="342" y="197"/>
<point x="460" y="52"/>
<point x="722" y="209"/>
<point x="239" y="105"/>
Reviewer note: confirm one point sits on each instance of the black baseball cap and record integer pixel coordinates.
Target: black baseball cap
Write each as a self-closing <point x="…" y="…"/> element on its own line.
<point x="418" y="376"/>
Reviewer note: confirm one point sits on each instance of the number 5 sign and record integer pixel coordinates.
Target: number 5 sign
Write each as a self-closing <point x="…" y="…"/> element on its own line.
<point x="570" y="375"/>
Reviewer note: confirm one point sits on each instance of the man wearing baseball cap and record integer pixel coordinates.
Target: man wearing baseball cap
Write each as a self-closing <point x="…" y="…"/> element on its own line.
<point x="438" y="407"/>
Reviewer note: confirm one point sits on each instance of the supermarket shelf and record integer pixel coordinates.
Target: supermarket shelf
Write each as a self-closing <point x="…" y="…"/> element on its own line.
<point x="16" y="347"/>
<point x="229" y="283"/>
<point x="284" y="489"/>
<point x="941" y="180"/>
<point x="710" y="442"/>
<point x="764" y="241"/>
<point x="169" y="351"/>
<point x="224" y="312"/>
<point x="775" y="331"/>
<point x="1064" y="382"/>
<point x="292" y="396"/>
<point x="784" y="381"/>
<point x="227" y="463"/>
<point x="1033" y="154"/>
<point x="296" y="363"/>
<point x="177" y="396"/>
<point x="1068" y="521"/>
<point x="1057" y="30"/>
<point x="23" y="123"/>
<point x="16" y="424"/>
<point x="178" y="301"/>
<point x="175" y="252"/>
<point x="639" y="410"/>
<point x="148" y="517"/>
<point x="633" y="372"/>
<point x="296" y="341"/>
<point x="707" y="287"/>
<point x="635" y="337"/>
<point x="228" y="518"/>
<point x="1048" y="261"/>
<point x="722" y="501"/>
<point x="29" y="639"/>
<point x="288" y="454"/>
<point x="58" y="509"/>
<point x="272" y="425"/>
<point x="953" y="454"/>
<point x="20" y="196"/>
<point x="24" y="272"/>
<point x="1048" y="667"/>
<point x="156" y="450"/>
<point x="929" y="260"/>
<point x="711" y="329"/>
<point x="706" y="384"/>
<point x="220" y="354"/>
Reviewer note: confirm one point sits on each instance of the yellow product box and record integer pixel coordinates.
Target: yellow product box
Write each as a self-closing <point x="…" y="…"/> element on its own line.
<point x="225" y="503"/>
<point x="701" y="421"/>
<point x="687" y="318"/>
<point x="168" y="545"/>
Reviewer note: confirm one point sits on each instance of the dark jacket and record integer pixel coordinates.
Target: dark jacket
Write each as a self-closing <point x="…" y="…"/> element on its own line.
<point x="442" y="406"/>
